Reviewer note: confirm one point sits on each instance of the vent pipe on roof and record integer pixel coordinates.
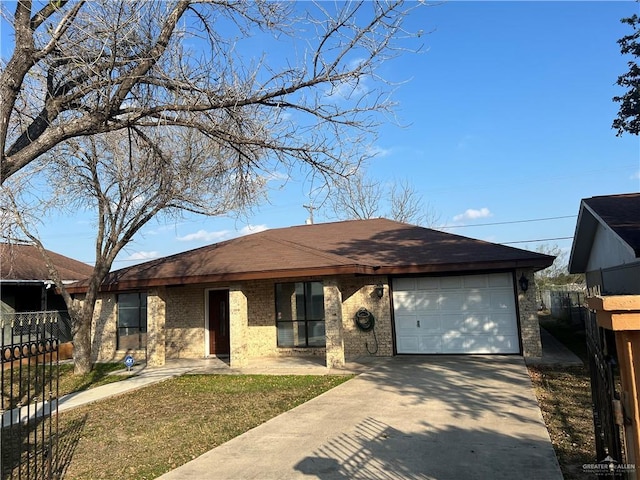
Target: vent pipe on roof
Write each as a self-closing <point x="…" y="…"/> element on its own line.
<point x="311" y="208"/>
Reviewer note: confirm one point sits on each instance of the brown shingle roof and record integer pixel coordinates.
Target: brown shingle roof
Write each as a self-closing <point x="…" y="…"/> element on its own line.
<point x="621" y="213"/>
<point x="377" y="246"/>
<point x="19" y="262"/>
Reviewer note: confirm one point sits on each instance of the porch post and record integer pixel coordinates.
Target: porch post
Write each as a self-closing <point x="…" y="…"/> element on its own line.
<point x="621" y="313"/>
<point x="528" y="310"/>
<point x="333" y="324"/>
<point x="156" y="318"/>
<point x="238" y="325"/>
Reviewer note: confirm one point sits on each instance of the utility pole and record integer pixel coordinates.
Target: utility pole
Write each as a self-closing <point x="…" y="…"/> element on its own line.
<point x="311" y="208"/>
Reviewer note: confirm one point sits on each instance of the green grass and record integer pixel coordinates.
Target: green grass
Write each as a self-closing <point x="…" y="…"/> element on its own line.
<point x="145" y="433"/>
<point x="29" y="381"/>
<point x="100" y="375"/>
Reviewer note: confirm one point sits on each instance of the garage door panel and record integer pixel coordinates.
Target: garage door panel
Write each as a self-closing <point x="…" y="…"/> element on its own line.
<point x="408" y="344"/>
<point x="501" y="280"/>
<point x="428" y="283"/>
<point x="480" y="344"/>
<point x="448" y="283"/>
<point x="502" y="300"/>
<point x="406" y="325"/>
<point x="451" y="301"/>
<point x="426" y="303"/>
<point x="460" y="314"/>
<point x="404" y="284"/>
<point x="418" y="325"/>
<point x="476" y="301"/>
<point x="418" y="344"/>
<point x="463" y="324"/>
<point x="479" y="324"/>
<point x="403" y="303"/>
<point x="430" y="324"/>
<point x="475" y="281"/>
<point x="418" y="304"/>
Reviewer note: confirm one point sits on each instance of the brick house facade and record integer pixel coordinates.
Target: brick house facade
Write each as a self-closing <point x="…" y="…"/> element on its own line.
<point x="178" y="309"/>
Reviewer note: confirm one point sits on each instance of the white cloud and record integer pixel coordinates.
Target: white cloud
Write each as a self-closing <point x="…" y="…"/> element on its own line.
<point x="252" y="229"/>
<point x="350" y="88"/>
<point x="204" y="236"/>
<point x="635" y="176"/>
<point x="378" y="152"/>
<point x="472" y="214"/>
<point x="217" y="236"/>
<point x="143" y="255"/>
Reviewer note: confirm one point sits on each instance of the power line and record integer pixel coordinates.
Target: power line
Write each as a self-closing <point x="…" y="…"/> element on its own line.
<point x="539" y="240"/>
<point x="510" y="222"/>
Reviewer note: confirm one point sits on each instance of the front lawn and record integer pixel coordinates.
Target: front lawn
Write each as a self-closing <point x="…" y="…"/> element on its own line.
<point x="145" y="433"/>
<point x="28" y="381"/>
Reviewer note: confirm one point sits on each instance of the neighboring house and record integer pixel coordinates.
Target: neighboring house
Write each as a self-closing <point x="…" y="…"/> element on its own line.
<point x="25" y="283"/>
<point x="606" y="244"/>
<point x="606" y="247"/>
<point x="300" y="290"/>
<point x="26" y="287"/>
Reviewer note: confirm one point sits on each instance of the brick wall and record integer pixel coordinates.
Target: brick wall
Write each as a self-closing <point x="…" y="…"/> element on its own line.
<point x="253" y="329"/>
<point x="356" y="292"/>
<point x="156" y="331"/>
<point x="185" y="322"/>
<point x="528" y="310"/>
<point x="261" y="333"/>
<point x="103" y="330"/>
<point x="359" y="292"/>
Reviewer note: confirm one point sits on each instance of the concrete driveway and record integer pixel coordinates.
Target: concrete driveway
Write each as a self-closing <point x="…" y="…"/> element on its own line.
<point x="431" y="417"/>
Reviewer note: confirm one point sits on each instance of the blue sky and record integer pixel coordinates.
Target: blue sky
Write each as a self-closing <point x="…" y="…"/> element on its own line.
<point x="507" y="118"/>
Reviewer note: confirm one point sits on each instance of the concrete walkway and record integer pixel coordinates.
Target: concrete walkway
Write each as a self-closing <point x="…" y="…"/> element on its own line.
<point x="422" y="417"/>
<point x="554" y="352"/>
<point x="465" y="417"/>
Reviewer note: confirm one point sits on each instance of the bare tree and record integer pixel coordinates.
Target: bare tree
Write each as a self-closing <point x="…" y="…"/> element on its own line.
<point x="81" y="68"/>
<point x="126" y="180"/>
<point x="408" y="206"/>
<point x="355" y="197"/>
<point x="558" y="272"/>
<point x="358" y="197"/>
<point x="141" y="108"/>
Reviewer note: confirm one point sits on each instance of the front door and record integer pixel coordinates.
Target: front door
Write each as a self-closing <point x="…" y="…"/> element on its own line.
<point x="219" y="322"/>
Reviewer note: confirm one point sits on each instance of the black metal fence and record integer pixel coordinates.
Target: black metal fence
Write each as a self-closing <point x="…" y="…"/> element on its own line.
<point x="607" y="408"/>
<point x="29" y="381"/>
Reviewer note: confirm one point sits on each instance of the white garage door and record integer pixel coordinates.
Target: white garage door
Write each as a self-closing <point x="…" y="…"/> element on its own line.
<point x="457" y="314"/>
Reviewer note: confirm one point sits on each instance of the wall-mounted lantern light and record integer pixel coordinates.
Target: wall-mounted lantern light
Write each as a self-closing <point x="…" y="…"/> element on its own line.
<point x="379" y="290"/>
<point x="524" y="283"/>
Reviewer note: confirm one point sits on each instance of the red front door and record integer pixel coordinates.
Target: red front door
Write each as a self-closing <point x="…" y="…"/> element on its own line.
<point x="219" y="322"/>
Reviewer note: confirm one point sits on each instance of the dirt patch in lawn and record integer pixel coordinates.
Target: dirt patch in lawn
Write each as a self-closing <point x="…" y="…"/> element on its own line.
<point x="564" y="395"/>
<point x="146" y="433"/>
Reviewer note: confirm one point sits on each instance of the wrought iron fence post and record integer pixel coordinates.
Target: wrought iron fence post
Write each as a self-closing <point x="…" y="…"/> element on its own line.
<point x="29" y="376"/>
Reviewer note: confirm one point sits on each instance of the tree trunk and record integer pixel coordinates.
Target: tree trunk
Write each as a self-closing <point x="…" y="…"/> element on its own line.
<point x="82" y="349"/>
<point x="82" y="319"/>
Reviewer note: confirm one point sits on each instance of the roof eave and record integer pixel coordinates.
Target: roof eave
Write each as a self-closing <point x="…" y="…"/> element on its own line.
<point x="535" y="264"/>
<point x="124" y="285"/>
